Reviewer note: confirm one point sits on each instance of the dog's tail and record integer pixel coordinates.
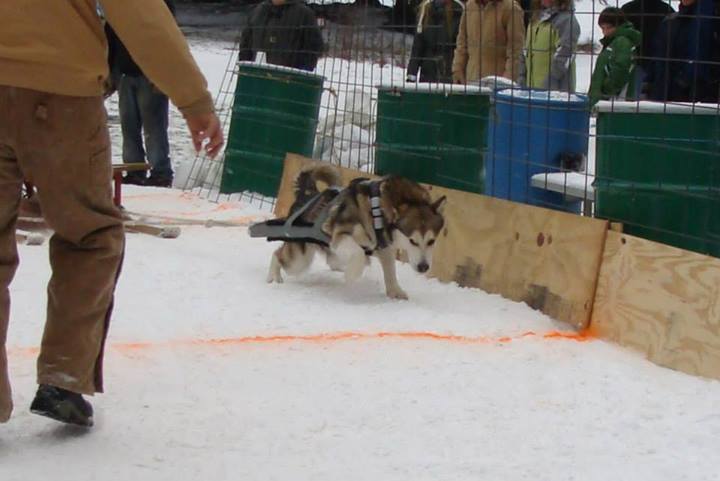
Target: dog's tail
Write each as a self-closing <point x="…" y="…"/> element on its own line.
<point x="306" y="183"/>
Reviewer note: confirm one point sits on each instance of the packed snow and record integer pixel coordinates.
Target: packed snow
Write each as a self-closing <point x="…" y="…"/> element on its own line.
<point x="649" y="107"/>
<point x="213" y="374"/>
<point x="543" y="95"/>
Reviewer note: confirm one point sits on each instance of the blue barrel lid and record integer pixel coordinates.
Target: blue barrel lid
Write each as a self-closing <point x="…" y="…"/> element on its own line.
<point x="541" y="97"/>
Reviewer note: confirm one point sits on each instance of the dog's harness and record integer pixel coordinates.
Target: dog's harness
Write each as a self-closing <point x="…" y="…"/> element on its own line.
<point x="377" y="215"/>
<point x="293" y="229"/>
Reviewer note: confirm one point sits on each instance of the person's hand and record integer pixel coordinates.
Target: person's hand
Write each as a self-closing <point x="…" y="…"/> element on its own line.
<point x="206" y="127"/>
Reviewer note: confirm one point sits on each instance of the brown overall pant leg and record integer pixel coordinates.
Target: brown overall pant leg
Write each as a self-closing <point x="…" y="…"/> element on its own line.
<point x="61" y="144"/>
<point x="10" y="188"/>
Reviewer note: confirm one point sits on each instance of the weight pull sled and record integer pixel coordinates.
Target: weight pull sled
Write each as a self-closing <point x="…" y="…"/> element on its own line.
<point x="304" y="224"/>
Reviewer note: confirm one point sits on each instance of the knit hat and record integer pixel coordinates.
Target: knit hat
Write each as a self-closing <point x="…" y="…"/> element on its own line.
<point x="612" y="16"/>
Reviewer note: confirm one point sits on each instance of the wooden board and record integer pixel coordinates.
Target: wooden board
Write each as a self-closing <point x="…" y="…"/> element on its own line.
<point x="662" y="301"/>
<point x="162" y="231"/>
<point x="546" y="258"/>
<point x="132" y="167"/>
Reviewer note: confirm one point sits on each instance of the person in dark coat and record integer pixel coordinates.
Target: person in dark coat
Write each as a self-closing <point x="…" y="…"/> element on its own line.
<point x="286" y="31"/>
<point x="144" y="112"/>
<point x="646" y="16"/>
<point x="434" y="42"/>
<point x="687" y="51"/>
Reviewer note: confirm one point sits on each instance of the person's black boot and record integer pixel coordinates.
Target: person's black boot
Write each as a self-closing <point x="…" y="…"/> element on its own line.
<point x="159" y="181"/>
<point x="134" y="178"/>
<point x="62" y="405"/>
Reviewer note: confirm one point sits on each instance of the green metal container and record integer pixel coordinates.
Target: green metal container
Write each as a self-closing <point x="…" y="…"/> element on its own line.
<point x="658" y="172"/>
<point x="435" y="134"/>
<point x="275" y="112"/>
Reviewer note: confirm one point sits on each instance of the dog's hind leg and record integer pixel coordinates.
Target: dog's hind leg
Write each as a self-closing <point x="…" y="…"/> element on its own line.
<point x="350" y="256"/>
<point x="333" y="261"/>
<point x="295" y="258"/>
<point x="274" y="273"/>
<point x="387" y="261"/>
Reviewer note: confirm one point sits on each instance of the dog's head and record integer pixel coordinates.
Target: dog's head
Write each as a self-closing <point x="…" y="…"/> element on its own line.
<point x="418" y="227"/>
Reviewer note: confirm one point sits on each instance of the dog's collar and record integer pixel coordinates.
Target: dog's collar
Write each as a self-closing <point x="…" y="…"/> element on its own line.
<point x="377" y="214"/>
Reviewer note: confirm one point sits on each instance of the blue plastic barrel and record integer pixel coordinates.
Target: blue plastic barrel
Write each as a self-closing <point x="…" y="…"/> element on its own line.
<point x="528" y="133"/>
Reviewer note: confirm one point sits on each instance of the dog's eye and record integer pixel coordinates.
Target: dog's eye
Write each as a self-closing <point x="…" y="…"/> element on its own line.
<point x="431" y="242"/>
<point x="414" y="243"/>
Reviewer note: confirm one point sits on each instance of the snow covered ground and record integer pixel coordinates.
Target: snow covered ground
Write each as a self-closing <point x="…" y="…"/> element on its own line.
<point x="213" y="374"/>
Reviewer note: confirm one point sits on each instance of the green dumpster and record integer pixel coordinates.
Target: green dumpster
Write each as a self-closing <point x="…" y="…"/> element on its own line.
<point x="658" y="172"/>
<point x="435" y="134"/>
<point x="275" y="112"/>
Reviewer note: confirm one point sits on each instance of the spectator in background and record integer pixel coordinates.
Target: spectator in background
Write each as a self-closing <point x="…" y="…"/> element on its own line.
<point x="614" y="73"/>
<point x="286" y="31"/>
<point x="646" y="16"/>
<point x="144" y="111"/>
<point x="434" y="42"/>
<point x="489" y="42"/>
<point x="552" y="37"/>
<point x="688" y="49"/>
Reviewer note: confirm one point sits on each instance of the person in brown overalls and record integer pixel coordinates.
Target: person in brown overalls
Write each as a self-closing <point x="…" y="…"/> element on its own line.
<point x="53" y="133"/>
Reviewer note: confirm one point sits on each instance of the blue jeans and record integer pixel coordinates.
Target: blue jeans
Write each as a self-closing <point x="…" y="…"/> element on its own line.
<point x="640" y="76"/>
<point x="144" y="113"/>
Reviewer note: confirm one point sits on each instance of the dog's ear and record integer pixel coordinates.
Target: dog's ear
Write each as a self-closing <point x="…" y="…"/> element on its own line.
<point x="439" y="205"/>
<point x="398" y="211"/>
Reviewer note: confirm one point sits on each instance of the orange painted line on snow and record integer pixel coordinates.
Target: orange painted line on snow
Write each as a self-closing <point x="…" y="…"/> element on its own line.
<point x="337" y="337"/>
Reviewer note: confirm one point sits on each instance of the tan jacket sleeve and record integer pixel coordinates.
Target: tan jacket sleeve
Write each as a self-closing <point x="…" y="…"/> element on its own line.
<point x="460" y="58"/>
<point x="155" y="42"/>
<point x="515" y="28"/>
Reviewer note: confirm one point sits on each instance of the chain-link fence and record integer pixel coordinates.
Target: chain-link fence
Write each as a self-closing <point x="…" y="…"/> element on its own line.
<point x="600" y="110"/>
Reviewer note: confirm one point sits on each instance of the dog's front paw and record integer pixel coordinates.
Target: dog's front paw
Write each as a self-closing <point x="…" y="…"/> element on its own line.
<point x="274" y="277"/>
<point x="396" y="293"/>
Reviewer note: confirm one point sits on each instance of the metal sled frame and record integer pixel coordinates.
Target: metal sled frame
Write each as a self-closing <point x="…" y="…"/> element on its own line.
<point x="293" y="229"/>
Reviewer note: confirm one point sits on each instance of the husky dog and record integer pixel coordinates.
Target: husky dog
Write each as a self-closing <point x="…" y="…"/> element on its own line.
<point x="367" y="218"/>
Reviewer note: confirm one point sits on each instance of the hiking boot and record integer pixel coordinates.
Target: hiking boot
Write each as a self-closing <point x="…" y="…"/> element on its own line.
<point x="134" y="178"/>
<point x="159" y="181"/>
<point x="62" y="405"/>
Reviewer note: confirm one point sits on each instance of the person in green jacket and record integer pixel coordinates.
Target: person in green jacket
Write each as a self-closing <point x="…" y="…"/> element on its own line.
<point x="548" y="61"/>
<point x="614" y="75"/>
